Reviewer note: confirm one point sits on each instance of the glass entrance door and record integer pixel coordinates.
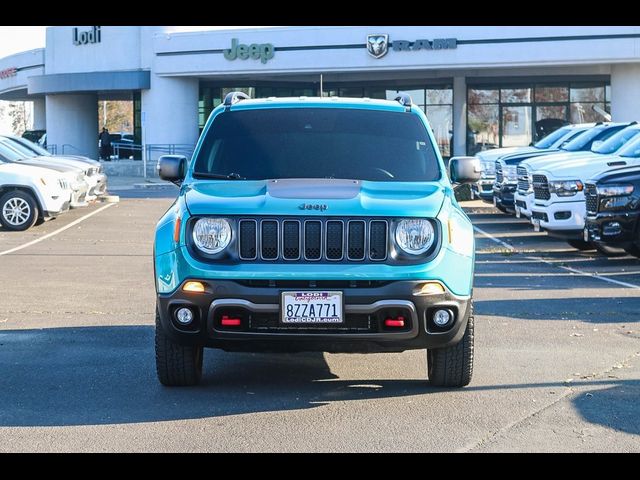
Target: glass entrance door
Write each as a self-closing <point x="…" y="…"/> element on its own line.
<point x="516" y="125"/>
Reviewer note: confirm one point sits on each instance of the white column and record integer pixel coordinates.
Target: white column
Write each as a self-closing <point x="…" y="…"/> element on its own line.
<point x="625" y="92"/>
<point x="72" y="122"/>
<point x="39" y="114"/>
<point x="459" y="116"/>
<point x="170" y="111"/>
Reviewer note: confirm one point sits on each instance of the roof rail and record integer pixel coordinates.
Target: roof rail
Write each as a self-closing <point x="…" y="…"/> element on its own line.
<point x="635" y="122"/>
<point x="234" y="97"/>
<point x="405" y="100"/>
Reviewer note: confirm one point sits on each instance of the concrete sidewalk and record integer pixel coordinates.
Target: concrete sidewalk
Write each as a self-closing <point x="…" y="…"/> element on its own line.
<point x="118" y="183"/>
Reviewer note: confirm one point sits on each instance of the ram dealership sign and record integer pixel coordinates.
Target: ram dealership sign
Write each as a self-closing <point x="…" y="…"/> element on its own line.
<point x="378" y="44"/>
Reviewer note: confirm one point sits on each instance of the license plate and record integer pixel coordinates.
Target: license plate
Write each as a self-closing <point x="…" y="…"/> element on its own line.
<point x="312" y="308"/>
<point x="518" y="214"/>
<point x="495" y="201"/>
<point x="586" y="235"/>
<point x="536" y="224"/>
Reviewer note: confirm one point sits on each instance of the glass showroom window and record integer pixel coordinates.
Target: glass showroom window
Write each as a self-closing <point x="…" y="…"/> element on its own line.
<point x="589" y="102"/>
<point x="482" y="119"/>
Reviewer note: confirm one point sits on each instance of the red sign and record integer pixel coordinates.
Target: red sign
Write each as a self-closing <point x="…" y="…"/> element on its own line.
<point x="8" y="72"/>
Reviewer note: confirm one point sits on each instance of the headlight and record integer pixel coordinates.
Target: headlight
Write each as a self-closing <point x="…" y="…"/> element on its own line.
<point x="615" y="190"/>
<point x="510" y="174"/>
<point x="566" y="188"/>
<point x="415" y="236"/>
<point x="488" y="168"/>
<point x="212" y="235"/>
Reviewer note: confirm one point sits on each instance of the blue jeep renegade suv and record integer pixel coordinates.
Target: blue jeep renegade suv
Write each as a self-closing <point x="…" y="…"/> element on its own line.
<point x="315" y="224"/>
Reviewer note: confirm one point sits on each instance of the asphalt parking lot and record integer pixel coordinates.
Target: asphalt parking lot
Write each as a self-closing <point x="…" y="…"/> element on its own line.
<point x="557" y="364"/>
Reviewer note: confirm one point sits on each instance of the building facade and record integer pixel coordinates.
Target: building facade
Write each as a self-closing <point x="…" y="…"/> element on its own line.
<point x="481" y="87"/>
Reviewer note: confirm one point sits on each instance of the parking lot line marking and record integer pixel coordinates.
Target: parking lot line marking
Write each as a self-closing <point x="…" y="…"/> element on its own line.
<point x="55" y="232"/>
<point x="569" y="269"/>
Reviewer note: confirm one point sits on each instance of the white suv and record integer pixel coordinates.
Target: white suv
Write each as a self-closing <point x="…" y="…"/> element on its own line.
<point x="28" y="193"/>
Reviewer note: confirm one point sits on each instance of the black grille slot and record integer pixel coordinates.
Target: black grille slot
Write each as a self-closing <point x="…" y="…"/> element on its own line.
<point x="312" y="240"/>
<point x="248" y="239"/>
<point x="291" y="239"/>
<point x="591" y="196"/>
<point x="378" y="240"/>
<point x="269" y="239"/>
<point x="541" y="187"/>
<point x="335" y="231"/>
<point x="355" y="235"/>
<point x="523" y="179"/>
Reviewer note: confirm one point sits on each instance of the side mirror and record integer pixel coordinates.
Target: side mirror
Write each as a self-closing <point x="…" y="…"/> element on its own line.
<point x="596" y="144"/>
<point x="464" y="169"/>
<point x="172" y="168"/>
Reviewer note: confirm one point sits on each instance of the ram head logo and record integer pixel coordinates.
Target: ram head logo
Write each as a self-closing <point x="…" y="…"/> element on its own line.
<point x="378" y="45"/>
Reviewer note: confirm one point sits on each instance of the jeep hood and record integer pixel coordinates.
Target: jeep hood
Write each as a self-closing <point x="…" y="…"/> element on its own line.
<point x="314" y="197"/>
<point x="584" y="169"/>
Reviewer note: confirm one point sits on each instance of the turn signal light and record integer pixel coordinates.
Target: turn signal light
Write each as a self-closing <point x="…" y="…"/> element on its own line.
<point x="397" y="322"/>
<point x="230" y="321"/>
<point x="194" y="287"/>
<point x="431" y="288"/>
<point x="176" y="230"/>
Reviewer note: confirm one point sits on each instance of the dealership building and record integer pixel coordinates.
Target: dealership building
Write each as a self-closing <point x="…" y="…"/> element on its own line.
<point x="480" y="87"/>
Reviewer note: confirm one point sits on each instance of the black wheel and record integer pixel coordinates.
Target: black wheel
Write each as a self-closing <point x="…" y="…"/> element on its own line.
<point x="453" y="366"/>
<point x="177" y="365"/>
<point x="609" y="251"/>
<point x="18" y="210"/>
<point x="581" y="245"/>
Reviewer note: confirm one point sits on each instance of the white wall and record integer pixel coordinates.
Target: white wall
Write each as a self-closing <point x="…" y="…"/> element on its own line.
<point x="625" y="93"/>
<point x="170" y="111"/>
<point x="73" y="120"/>
<point x="39" y="114"/>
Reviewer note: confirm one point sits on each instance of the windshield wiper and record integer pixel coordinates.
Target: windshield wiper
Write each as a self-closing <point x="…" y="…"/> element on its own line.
<point x="229" y="176"/>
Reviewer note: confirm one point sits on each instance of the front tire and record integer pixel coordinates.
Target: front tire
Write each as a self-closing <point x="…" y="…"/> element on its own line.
<point x="176" y="365"/>
<point x="453" y="366"/>
<point x="18" y="210"/>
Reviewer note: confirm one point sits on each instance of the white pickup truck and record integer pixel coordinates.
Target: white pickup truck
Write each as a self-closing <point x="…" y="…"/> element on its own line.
<point x="558" y="189"/>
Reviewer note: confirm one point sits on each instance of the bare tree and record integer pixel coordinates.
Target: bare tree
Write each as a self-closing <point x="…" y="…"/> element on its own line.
<point x="20" y="117"/>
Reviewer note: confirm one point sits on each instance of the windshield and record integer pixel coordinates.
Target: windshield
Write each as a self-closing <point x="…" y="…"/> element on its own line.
<point x="318" y="143"/>
<point x="10" y="154"/>
<point x="616" y="141"/>
<point x="24" y="151"/>
<point x="631" y="149"/>
<point x="34" y="147"/>
<point x="553" y="137"/>
<point x="583" y="142"/>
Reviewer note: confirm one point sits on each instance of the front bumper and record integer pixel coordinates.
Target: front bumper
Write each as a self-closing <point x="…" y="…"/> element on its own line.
<point x="79" y="195"/>
<point x="523" y="202"/>
<point x="483" y="189"/>
<point x="616" y="228"/>
<point x="366" y="306"/>
<point x="97" y="186"/>
<point x="560" y="216"/>
<point x="503" y="195"/>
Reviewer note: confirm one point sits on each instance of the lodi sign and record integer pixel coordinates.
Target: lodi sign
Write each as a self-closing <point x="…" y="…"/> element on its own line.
<point x="262" y="51"/>
<point x="378" y="44"/>
<point x="83" y="38"/>
<point x="8" y="72"/>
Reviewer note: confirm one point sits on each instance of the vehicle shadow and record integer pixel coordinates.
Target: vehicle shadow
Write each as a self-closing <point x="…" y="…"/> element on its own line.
<point x="106" y="375"/>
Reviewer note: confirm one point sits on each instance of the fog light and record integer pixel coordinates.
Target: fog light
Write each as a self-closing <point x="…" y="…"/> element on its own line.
<point x="442" y="317"/>
<point x="195" y="287"/>
<point x="184" y="316"/>
<point x="612" y="228"/>
<point x="430" y="288"/>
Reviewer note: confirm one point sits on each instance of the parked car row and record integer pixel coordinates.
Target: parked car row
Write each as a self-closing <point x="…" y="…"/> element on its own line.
<point x="36" y="185"/>
<point x="581" y="183"/>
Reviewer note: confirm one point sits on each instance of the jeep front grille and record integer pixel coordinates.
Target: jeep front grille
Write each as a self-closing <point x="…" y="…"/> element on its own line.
<point x="312" y="239"/>
<point x="591" y="196"/>
<point x="541" y="187"/>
